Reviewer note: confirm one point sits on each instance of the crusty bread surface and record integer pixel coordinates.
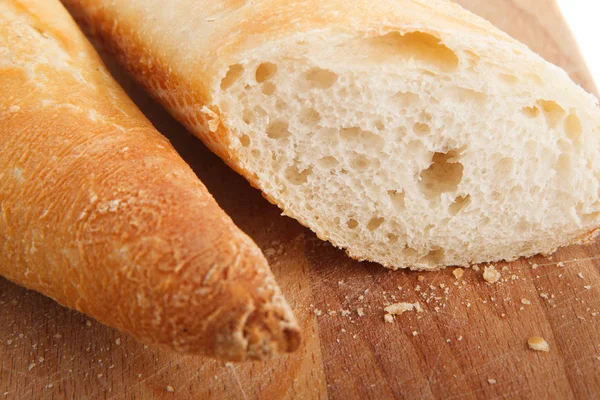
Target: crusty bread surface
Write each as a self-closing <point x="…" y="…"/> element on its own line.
<point x="409" y="132"/>
<point x="99" y="212"/>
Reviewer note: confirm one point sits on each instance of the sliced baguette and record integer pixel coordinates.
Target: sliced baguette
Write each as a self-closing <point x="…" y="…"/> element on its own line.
<point x="99" y="212"/>
<point x="409" y="132"/>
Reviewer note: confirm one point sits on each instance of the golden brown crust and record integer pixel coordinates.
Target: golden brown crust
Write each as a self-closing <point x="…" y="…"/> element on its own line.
<point x="99" y="212"/>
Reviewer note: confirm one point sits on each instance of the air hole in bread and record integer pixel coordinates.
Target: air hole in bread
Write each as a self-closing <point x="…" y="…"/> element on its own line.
<point x="421" y="129"/>
<point x="536" y="78"/>
<point x="553" y="111"/>
<point x="379" y="125"/>
<point x="265" y="71"/>
<point x="245" y="140"/>
<point x="327" y="162"/>
<point x="406" y="99"/>
<point x="428" y="228"/>
<point x="464" y="95"/>
<point x="320" y="78"/>
<point x="375" y="223"/>
<point x="247" y="116"/>
<point x="280" y="105"/>
<point x="352" y="223"/>
<point x="392" y="238"/>
<point x="278" y="129"/>
<point x="564" y="166"/>
<point x="573" y="128"/>
<point x="255" y="153"/>
<point x="508" y="78"/>
<point x="459" y="204"/>
<point x="234" y="72"/>
<point x="295" y="176"/>
<point x="531" y="147"/>
<point x="434" y="257"/>
<point x="443" y="175"/>
<point x="504" y="167"/>
<point x="260" y="112"/>
<point x="410" y="252"/>
<point x="425" y="117"/>
<point x="530" y="112"/>
<point x="367" y="138"/>
<point x="360" y="162"/>
<point x="419" y="46"/>
<point x="398" y="199"/>
<point x="268" y="88"/>
<point x="310" y="116"/>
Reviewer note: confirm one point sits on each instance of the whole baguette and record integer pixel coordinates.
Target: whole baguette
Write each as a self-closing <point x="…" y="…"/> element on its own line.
<point x="99" y="212"/>
<point x="409" y="132"/>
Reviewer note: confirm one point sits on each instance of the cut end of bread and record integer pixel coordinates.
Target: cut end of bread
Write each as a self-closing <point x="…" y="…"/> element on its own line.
<point x="417" y="148"/>
<point x="410" y="133"/>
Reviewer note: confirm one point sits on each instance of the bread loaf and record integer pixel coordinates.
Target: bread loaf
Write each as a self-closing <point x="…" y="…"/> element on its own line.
<point x="409" y="132"/>
<point x="99" y="212"/>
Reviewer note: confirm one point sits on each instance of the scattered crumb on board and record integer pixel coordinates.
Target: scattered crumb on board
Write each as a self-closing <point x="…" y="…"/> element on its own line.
<point x="491" y="275"/>
<point x="458" y="273"/>
<point x="538" y="344"/>
<point x="399" y="309"/>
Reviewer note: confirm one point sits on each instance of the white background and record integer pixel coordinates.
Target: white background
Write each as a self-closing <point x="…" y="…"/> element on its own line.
<point x="583" y="17"/>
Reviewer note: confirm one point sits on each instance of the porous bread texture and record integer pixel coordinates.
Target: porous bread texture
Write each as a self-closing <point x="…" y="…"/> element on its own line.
<point x="417" y="148"/>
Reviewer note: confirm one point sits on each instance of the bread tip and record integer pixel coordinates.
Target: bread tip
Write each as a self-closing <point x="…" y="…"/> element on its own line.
<point x="271" y="332"/>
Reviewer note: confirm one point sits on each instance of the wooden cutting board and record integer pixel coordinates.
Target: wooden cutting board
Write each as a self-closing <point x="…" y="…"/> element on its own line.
<point x="469" y="342"/>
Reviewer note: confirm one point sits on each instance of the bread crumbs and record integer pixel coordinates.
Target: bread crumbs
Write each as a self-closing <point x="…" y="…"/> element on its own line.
<point x="525" y="301"/>
<point x="538" y="344"/>
<point x="400" y="308"/>
<point x="491" y="275"/>
<point x="492" y="381"/>
<point x="170" y="389"/>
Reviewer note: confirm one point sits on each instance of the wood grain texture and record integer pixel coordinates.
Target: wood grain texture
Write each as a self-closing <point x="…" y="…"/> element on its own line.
<point x="478" y="332"/>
